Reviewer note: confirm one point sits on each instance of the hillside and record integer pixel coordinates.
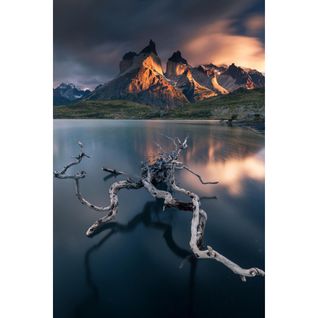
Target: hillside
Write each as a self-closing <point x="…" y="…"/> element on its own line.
<point x="241" y="104"/>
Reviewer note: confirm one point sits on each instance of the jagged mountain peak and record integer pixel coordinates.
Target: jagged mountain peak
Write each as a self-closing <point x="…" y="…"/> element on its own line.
<point x="129" y="55"/>
<point x="176" y="65"/>
<point x="202" y="69"/>
<point x="177" y="58"/>
<point x="141" y="79"/>
<point x="233" y="69"/>
<point x="210" y="65"/>
<point x="66" y="86"/>
<point x="150" y="48"/>
<point x="66" y="93"/>
<point x="236" y="77"/>
<point x="147" y="57"/>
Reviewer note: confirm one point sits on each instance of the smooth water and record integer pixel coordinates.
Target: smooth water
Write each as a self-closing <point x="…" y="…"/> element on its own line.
<point x="140" y="265"/>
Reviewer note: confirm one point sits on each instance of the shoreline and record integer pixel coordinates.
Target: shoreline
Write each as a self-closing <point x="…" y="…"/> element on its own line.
<point x="257" y="127"/>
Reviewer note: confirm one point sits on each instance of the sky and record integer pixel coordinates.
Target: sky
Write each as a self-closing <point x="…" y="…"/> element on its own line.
<point x="91" y="36"/>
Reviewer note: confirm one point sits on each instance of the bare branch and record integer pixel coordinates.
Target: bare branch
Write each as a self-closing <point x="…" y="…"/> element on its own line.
<point x="113" y="190"/>
<point x="113" y="207"/>
<point x="199" y="177"/>
<point x="78" y="159"/>
<point x="161" y="170"/>
<point x="113" y="171"/>
<point x="170" y="138"/>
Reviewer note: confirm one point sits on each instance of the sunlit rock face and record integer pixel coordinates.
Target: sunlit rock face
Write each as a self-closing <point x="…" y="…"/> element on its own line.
<point x="205" y="75"/>
<point x="176" y="65"/>
<point x="147" y="58"/>
<point x="150" y="87"/>
<point x="142" y="79"/>
<point x="191" y="88"/>
<point x="152" y="62"/>
<point x="181" y="73"/>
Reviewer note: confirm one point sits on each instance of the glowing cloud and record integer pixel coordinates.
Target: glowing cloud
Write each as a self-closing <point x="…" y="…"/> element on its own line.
<point x="217" y="44"/>
<point x="255" y="24"/>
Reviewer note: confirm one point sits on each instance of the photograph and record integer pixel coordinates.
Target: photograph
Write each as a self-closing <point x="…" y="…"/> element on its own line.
<point x="158" y="159"/>
<point x="146" y="171"/>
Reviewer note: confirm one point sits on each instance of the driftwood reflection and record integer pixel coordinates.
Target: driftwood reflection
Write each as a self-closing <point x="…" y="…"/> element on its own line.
<point x="149" y="217"/>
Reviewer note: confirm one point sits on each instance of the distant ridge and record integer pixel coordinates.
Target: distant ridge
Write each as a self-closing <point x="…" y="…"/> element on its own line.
<point x="67" y="93"/>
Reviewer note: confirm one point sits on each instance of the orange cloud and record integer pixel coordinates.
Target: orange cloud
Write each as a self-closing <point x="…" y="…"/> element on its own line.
<point x="255" y="23"/>
<point x="217" y="44"/>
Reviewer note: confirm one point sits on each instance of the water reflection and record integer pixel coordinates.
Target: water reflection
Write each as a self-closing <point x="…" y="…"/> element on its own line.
<point x="231" y="173"/>
<point x="229" y="163"/>
<point x="134" y="272"/>
<point x="149" y="217"/>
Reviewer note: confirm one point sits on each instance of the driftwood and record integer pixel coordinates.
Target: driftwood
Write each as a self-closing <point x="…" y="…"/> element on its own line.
<point x="160" y="171"/>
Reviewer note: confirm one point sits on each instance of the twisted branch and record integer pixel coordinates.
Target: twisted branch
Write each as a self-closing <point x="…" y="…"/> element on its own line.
<point x="161" y="171"/>
<point x="112" y="208"/>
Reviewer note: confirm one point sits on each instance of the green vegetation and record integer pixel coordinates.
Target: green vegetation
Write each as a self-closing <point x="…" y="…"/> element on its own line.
<point x="240" y="104"/>
<point x="108" y="109"/>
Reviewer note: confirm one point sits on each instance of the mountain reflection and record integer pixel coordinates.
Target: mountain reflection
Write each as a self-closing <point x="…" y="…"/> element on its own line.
<point x="230" y="173"/>
<point x="230" y="163"/>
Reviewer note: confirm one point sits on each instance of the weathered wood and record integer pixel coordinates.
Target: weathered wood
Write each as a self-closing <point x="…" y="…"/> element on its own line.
<point x="199" y="177"/>
<point x="160" y="171"/>
<point x="113" y="171"/>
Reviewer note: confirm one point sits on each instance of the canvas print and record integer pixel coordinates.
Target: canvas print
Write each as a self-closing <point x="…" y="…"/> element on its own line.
<point x="159" y="147"/>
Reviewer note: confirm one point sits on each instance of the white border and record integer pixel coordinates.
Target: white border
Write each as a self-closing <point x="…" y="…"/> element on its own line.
<point x="26" y="159"/>
<point x="291" y="159"/>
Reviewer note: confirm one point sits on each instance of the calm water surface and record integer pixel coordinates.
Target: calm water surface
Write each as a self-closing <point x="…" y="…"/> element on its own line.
<point x="140" y="266"/>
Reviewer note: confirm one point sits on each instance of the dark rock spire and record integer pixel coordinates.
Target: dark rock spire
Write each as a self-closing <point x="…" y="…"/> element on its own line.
<point x="177" y="58"/>
<point x="151" y="48"/>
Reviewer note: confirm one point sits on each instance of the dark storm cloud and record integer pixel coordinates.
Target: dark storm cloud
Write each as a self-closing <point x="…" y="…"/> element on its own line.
<point x="90" y="36"/>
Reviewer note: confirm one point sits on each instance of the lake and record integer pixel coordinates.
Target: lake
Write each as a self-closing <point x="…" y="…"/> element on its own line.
<point x="140" y="266"/>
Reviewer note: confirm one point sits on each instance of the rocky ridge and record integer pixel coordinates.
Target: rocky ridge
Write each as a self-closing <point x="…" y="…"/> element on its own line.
<point x="142" y="79"/>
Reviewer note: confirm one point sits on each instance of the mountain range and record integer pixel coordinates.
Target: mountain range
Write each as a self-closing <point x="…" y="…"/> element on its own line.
<point x="142" y="79"/>
<point x="67" y="93"/>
